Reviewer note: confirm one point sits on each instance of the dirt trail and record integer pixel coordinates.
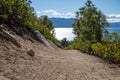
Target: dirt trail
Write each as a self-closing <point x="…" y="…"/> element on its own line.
<point x="59" y="65"/>
<point x="47" y="64"/>
<point x="74" y="65"/>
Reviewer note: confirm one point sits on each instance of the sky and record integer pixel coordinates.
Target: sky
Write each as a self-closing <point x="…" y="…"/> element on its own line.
<point x="67" y="9"/>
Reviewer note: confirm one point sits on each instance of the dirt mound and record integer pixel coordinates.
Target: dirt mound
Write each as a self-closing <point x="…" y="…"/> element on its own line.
<point x="35" y="61"/>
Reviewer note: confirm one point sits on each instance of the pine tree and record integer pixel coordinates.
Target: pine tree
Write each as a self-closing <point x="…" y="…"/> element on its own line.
<point x="89" y="23"/>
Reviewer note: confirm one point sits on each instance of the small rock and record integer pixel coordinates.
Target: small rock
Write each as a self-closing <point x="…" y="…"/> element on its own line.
<point x="31" y="53"/>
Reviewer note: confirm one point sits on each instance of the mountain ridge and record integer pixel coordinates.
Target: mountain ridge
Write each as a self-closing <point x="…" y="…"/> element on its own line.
<point x="62" y="22"/>
<point x="67" y="23"/>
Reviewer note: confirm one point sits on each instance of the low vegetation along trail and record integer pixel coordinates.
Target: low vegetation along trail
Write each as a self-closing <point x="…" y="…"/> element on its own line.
<point x="50" y="64"/>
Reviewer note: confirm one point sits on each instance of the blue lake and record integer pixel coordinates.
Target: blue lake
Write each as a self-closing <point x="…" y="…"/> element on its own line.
<point x="114" y="29"/>
<point x="67" y="32"/>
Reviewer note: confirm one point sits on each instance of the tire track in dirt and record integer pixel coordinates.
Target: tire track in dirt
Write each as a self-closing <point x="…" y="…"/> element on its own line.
<point x="70" y="66"/>
<point x="63" y="65"/>
<point x="83" y="74"/>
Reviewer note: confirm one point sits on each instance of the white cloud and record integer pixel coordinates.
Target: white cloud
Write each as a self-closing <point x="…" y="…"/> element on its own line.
<point x="53" y="13"/>
<point x="38" y="13"/>
<point x="69" y="15"/>
<point x="113" y="17"/>
<point x="113" y="20"/>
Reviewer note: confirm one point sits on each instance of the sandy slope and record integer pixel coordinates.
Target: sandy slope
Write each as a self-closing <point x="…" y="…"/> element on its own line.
<point x="47" y="64"/>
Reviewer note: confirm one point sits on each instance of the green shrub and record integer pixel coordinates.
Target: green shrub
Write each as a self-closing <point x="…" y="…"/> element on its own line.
<point x="108" y="48"/>
<point x="110" y="51"/>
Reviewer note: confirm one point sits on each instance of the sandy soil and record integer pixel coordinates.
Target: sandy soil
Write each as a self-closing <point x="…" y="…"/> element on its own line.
<point x="47" y="64"/>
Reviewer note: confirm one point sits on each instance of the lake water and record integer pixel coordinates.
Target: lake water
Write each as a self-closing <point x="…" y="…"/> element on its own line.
<point x="67" y="32"/>
<point x="64" y="33"/>
<point x="115" y="29"/>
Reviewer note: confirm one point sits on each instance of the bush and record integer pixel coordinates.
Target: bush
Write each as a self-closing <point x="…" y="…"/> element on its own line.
<point x="110" y="51"/>
<point x="108" y="48"/>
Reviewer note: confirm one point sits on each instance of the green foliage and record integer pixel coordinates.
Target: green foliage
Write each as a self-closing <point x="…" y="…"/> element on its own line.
<point x="21" y="16"/>
<point x="75" y="44"/>
<point x="89" y="23"/>
<point x="18" y="13"/>
<point x="98" y="49"/>
<point x="89" y="26"/>
<point x="44" y="20"/>
<point x="47" y="29"/>
<point x="64" y="42"/>
<point x="80" y="45"/>
<point x="108" y="48"/>
<point x="110" y="51"/>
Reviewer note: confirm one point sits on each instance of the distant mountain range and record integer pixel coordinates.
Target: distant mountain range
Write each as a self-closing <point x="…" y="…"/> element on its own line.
<point x="62" y="22"/>
<point x="67" y="23"/>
